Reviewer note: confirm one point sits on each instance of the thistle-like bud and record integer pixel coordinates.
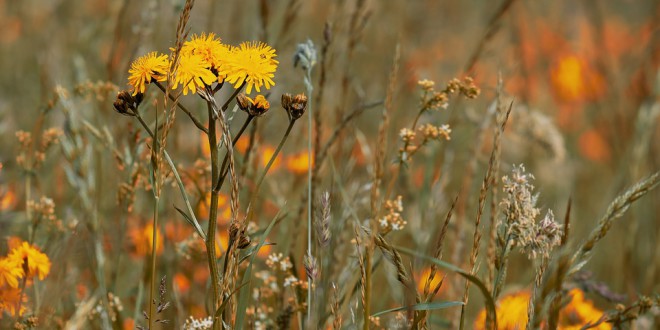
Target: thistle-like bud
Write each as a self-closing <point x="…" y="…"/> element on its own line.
<point x="256" y="107"/>
<point x="305" y="55"/>
<point x="294" y="105"/>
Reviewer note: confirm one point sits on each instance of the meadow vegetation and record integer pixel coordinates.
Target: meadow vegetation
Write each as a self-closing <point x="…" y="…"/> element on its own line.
<point x="353" y="164"/>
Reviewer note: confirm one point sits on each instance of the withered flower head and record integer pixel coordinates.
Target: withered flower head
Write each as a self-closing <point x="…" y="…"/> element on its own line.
<point x="256" y="107"/>
<point x="126" y="104"/>
<point x="294" y="105"/>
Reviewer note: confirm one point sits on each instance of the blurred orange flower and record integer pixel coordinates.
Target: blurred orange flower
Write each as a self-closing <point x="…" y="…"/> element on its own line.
<point x="511" y="312"/>
<point x="9" y="301"/>
<point x="7" y="200"/>
<point x="299" y="163"/>
<point x="177" y="231"/>
<point x="204" y="144"/>
<point x="242" y="144"/>
<point x="142" y="240"/>
<point x="594" y="147"/>
<point x="224" y="210"/>
<point x="181" y="283"/>
<point x="424" y="277"/>
<point x="580" y="312"/>
<point x="265" y="251"/>
<point x="574" y="80"/>
<point x="129" y="323"/>
<point x="266" y="153"/>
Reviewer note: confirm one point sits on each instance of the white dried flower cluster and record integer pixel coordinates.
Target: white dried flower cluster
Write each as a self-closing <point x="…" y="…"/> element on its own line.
<point x="198" y="324"/>
<point x="290" y="281"/>
<point x="406" y="135"/>
<point x="519" y="204"/>
<point x="432" y="132"/>
<point x="278" y="261"/>
<point x="392" y="219"/>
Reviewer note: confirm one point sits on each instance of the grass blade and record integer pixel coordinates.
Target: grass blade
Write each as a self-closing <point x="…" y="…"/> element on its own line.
<point x="421" y="307"/>
<point x="490" y="303"/>
<point x="244" y="295"/>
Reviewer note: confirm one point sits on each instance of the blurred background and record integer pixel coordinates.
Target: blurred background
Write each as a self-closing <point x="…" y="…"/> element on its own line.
<point x="582" y="75"/>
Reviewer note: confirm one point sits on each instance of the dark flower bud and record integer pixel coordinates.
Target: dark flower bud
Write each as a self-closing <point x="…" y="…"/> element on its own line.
<point x="294" y="105"/>
<point x="121" y="105"/>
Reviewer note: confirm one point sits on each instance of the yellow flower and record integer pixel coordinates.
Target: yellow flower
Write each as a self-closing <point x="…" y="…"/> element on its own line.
<point x="147" y="68"/>
<point x="193" y="73"/>
<point x="10" y="273"/>
<point x="211" y="49"/>
<point x="580" y="312"/>
<point x="252" y="63"/>
<point x="9" y="301"/>
<point x="38" y="263"/>
<point x="512" y="313"/>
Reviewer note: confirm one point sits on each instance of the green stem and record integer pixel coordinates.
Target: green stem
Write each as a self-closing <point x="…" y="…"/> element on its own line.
<point x="501" y="269"/>
<point x="28" y="194"/>
<point x="224" y="168"/>
<point x="231" y="98"/>
<point x="184" y="109"/>
<point x="272" y="158"/>
<point x="154" y="242"/>
<point x="367" y="287"/>
<point x="176" y="175"/>
<point x="310" y="92"/>
<point x="213" y="211"/>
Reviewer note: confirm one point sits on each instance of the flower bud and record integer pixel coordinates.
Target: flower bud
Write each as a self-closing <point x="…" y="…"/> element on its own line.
<point x="256" y="107"/>
<point x="294" y="105"/>
<point x="124" y="104"/>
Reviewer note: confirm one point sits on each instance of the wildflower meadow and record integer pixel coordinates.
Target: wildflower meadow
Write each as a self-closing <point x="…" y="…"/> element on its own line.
<point x="349" y="164"/>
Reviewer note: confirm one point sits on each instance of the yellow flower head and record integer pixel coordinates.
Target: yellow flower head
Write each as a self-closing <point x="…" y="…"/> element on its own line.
<point x="252" y="63"/>
<point x="193" y="73"/>
<point x="210" y="48"/>
<point x="145" y="69"/>
<point x="10" y="272"/>
<point x="38" y="263"/>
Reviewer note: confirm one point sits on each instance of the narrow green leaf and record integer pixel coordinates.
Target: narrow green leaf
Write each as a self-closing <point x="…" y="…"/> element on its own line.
<point x="421" y="307"/>
<point x="191" y="216"/>
<point x="244" y="295"/>
<point x="490" y="303"/>
<point x="225" y="301"/>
